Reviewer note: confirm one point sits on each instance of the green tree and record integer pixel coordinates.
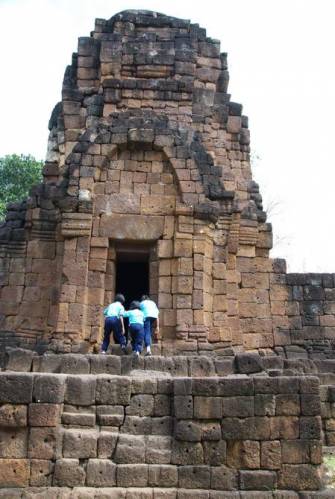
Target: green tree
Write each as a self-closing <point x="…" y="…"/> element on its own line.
<point x="17" y="175"/>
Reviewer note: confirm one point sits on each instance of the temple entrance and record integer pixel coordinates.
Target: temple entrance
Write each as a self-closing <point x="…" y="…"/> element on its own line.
<point x="132" y="272"/>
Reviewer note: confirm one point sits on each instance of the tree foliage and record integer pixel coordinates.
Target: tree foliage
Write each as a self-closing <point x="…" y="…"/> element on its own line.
<point x="17" y="175"/>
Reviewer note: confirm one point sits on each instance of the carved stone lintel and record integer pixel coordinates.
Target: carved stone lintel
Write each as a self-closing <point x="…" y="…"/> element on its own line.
<point x="76" y="224"/>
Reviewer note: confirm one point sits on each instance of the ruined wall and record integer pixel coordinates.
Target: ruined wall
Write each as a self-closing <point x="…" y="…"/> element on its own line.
<point x="147" y="147"/>
<point x="157" y="434"/>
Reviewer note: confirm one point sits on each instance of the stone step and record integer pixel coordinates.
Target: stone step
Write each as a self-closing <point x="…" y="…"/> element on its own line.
<point x="153" y="493"/>
<point x="73" y="420"/>
<point x="21" y="360"/>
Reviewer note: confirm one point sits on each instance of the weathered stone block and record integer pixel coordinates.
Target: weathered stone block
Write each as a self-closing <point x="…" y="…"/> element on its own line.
<point x="78" y="419"/>
<point x="271" y="457"/>
<point x="41" y="472"/>
<point x="69" y="473"/>
<point x="44" y="414"/>
<point x="162" y="405"/>
<point x="162" y="476"/>
<point x="299" y="477"/>
<point x="207" y="407"/>
<point x="230" y="387"/>
<point x="143" y="385"/>
<point x="16" y="388"/>
<point x="183" y="386"/>
<point x="247" y="363"/>
<point x="266" y="385"/>
<point x="310" y="427"/>
<point x="13" y="416"/>
<point x="49" y="388"/>
<point x="310" y="405"/>
<point x="131" y="227"/>
<point x="137" y="425"/>
<point x="80" y="443"/>
<point x="106" y="444"/>
<point x="238" y="406"/>
<point x="132" y="475"/>
<point x="295" y="451"/>
<point x="130" y="449"/>
<point x="14" y="473"/>
<point x="157" y="205"/>
<point x="201" y="366"/>
<point x="183" y="406"/>
<point x="215" y="453"/>
<point x="80" y="390"/>
<point x="50" y="363"/>
<point x="189" y="431"/>
<point x="223" y="478"/>
<point x="113" y="390"/>
<point x="210" y="431"/>
<point x="186" y="453"/>
<point x="265" y="405"/>
<point x="158" y="449"/>
<point x="19" y="359"/>
<point x="284" y="427"/>
<point x="162" y="426"/>
<point x="243" y="454"/>
<point x="258" y="480"/>
<point x="105" y="364"/>
<point x="194" y="477"/>
<point x="141" y="405"/>
<point x="205" y="386"/>
<point x="287" y="405"/>
<point x="100" y="473"/>
<point x="110" y="415"/>
<point x="10" y="493"/>
<point x="44" y="443"/>
<point x="13" y="442"/>
<point x="238" y="429"/>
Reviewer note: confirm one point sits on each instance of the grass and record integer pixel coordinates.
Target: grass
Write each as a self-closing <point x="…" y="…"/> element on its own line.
<point x="329" y="469"/>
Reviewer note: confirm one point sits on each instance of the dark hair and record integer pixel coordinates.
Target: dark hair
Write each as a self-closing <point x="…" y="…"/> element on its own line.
<point x="134" y="304"/>
<point x="145" y="297"/>
<point x="120" y="298"/>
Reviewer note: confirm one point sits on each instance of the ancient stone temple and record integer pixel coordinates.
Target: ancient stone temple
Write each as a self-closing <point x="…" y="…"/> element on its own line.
<point x="148" y="189"/>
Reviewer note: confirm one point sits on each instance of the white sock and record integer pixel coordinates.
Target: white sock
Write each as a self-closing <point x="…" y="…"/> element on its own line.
<point x="148" y="348"/>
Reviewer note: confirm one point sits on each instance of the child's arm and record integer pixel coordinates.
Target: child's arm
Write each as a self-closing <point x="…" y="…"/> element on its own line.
<point x="122" y="324"/>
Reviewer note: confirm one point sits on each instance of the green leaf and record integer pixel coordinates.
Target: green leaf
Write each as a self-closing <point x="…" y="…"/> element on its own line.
<point x="17" y="175"/>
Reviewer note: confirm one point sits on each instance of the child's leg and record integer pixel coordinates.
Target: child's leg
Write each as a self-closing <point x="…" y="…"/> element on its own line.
<point x="139" y="338"/>
<point x="147" y="333"/>
<point x="117" y="333"/>
<point x="107" y="333"/>
<point x="133" y="335"/>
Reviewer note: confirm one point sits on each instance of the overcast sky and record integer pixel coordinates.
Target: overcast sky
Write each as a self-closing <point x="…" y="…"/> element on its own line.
<point x="282" y="69"/>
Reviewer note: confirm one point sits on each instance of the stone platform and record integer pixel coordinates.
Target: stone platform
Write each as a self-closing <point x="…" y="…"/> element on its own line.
<point x="112" y="426"/>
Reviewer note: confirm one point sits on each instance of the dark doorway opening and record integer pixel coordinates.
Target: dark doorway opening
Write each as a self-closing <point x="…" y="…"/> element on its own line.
<point x="132" y="273"/>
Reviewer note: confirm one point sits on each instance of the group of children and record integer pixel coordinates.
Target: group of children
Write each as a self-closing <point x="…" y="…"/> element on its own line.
<point x="143" y="319"/>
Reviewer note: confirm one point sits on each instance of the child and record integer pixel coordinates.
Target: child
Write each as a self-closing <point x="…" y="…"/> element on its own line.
<point x="151" y="320"/>
<point x="136" y="321"/>
<point x="114" y="322"/>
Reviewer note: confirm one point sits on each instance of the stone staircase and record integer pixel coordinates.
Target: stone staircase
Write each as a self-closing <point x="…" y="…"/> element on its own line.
<point x="98" y="426"/>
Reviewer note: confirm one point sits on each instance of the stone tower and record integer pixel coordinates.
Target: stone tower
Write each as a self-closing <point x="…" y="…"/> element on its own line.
<point x="148" y="188"/>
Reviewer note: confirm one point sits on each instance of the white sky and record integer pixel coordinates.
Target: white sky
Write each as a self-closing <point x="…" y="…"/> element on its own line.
<point x="282" y="69"/>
